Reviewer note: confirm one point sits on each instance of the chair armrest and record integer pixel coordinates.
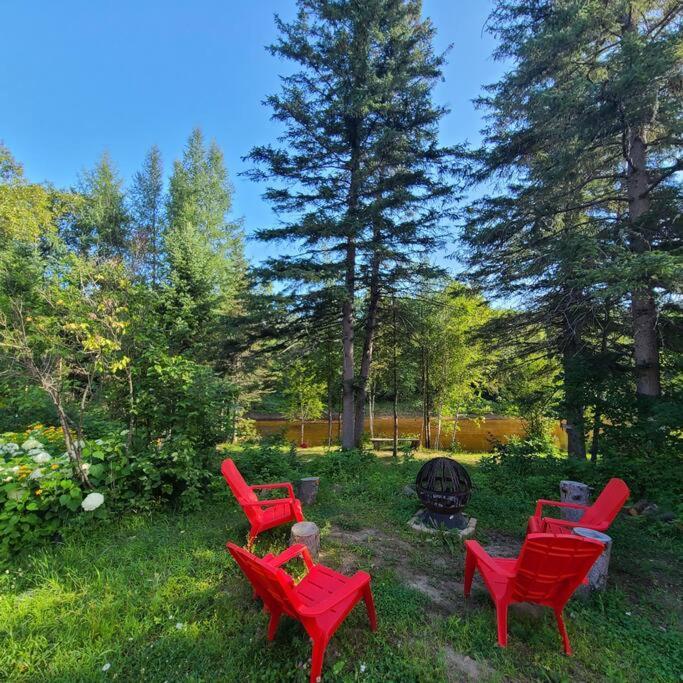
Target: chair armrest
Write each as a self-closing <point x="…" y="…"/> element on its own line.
<point x="283" y="485"/>
<point x="358" y="581"/>
<point x="485" y="559"/>
<point x="557" y="504"/>
<point x="269" y="502"/>
<point x="289" y="554"/>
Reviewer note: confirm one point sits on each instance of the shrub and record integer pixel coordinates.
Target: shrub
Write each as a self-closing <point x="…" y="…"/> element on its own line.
<point x="346" y="466"/>
<point x="267" y="462"/>
<point x="38" y="494"/>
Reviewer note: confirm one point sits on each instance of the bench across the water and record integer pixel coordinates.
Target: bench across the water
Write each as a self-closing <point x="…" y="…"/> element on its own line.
<point x="377" y="444"/>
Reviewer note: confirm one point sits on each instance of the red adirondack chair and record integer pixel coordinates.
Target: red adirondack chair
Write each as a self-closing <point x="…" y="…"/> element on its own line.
<point x="320" y="601"/>
<point x="548" y="571"/>
<point x="598" y="516"/>
<point x="262" y="514"/>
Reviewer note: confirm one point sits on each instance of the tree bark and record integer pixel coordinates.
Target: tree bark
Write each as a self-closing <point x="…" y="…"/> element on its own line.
<point x="573" y="401"/>
<point x="368" y="341"/>
<point x="329" y="412"/>
<point x="348" y="412"/>
<point x="395" y="379"/>
<point x="643" y="305"/>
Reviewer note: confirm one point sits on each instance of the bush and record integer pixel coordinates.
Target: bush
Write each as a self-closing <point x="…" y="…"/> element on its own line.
<point x="37" y="493"/>
<point x="266" y="462"/>
<point x="39" y="496"/>
<point x="344" y="466"/>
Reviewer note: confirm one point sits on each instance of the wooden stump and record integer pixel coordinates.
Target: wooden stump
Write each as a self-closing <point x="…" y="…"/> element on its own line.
<point x="308" y="534"/>
<point x="597" y="576"/>
<point x="307" y="489"/>
<point x="573" y="492"/>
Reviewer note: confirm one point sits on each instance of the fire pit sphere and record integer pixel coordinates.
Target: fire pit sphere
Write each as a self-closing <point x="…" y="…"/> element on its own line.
<point x="443" y="485"/>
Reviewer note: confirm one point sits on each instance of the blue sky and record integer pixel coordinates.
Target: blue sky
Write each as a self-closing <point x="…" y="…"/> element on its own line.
<point x="81" y="76"/>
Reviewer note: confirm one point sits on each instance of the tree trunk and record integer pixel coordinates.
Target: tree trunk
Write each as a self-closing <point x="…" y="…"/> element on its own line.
<point x="456" y="419"/>
<point x="573" y="401"/>
<point x="329" y="412"/>
<point x="348" y="412"/>
<point x="426" y="408"/>
<point x="395" y="380"/>
<point x="643" y="305"/>
<point x="302" y="431"/>
<point x="438" y="427"/>
<point x="368" y="341"/>
<point x="371" y="407"/>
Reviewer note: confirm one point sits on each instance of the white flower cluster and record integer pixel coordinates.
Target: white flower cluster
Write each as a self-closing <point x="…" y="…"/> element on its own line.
<point x="92" y="501"/>
<point x="31" y="444"/>
<point x="9" y="448"/>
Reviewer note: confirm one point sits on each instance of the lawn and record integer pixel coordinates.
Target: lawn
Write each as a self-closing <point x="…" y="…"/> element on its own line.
<point x="155" y="597"/>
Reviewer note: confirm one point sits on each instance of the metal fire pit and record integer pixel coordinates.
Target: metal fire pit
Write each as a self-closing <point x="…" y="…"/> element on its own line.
<point x="444" y="487"/>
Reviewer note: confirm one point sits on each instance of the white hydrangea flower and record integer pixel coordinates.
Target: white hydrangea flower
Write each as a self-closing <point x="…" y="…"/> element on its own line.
<point x="30" y="444"/>
<point x="36" y="474"/>
<point x="10" y="447"/>
<point x="41" y="457"/>
<point x="92" y="501"/>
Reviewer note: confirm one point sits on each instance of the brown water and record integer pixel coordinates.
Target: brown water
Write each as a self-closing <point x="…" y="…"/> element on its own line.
<point x="473" y="435"/>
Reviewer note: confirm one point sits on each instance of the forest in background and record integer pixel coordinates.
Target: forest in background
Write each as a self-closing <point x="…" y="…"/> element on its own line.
<point x="136" y="334"/>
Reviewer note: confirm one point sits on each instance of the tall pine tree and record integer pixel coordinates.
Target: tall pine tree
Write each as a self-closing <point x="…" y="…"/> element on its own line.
<point x="359" y="176"/>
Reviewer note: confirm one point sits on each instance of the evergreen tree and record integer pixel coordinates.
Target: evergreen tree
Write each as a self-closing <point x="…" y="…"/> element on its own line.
<point x="569" y="236"/>
<point x="148" y="216"/>
<point x="594" y="98"/>
<point x="360" y="178"/>
<point x="101" y="226"/>
<point x="204" y="250"/>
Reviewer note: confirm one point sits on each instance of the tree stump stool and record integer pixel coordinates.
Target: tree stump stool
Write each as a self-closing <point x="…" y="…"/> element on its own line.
<point x="307" y="489"/>
<point x="597" y="576"/>
<point x="573" y="492"/>
<point x="308" y="534"/>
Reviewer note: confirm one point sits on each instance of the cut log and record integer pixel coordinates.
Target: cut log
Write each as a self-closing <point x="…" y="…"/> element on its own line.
<point x="573" y="492"/>
<point x="307" y="489"/>
<point x="308" y="534"/>
<point x="597" y="576"/>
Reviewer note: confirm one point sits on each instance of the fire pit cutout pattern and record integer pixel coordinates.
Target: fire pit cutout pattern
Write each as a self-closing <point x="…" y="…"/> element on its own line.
<point x="444" y="487"/>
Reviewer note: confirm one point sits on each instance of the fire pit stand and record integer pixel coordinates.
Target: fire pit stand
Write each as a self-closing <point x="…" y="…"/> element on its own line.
<point x="444" y="487"/>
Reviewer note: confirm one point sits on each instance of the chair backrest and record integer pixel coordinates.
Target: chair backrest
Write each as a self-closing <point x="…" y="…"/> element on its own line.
<point x="607" y="505"/>
<point x="272" y="584"/>
<point x="550" y="567"/>
<point x="240" y="489"/>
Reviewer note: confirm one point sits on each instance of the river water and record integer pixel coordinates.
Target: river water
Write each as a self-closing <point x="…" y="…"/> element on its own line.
<point x="474" y="435"/>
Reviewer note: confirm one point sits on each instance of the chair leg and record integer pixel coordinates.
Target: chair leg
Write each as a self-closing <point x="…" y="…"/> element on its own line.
<point x="298" y="512"/>
<point x="319" y="647"/>
<point x="470" y="565"/>
<point x="563" y="632"/>
<point x="502" y="618"/>
<point x="272" y="626"/>
<point x="370" y="606"/>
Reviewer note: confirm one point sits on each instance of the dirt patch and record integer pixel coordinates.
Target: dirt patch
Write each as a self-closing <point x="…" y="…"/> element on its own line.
<point x="459" y="667"/>
<point x="434" y="572"/>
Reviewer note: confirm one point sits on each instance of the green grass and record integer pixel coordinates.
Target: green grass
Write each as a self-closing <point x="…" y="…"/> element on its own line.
<point x="158" y="599"/>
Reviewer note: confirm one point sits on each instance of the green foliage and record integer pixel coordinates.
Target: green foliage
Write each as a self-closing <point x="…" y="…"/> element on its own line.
<point x="268" y="462"/>
<point x="179" y="397"/>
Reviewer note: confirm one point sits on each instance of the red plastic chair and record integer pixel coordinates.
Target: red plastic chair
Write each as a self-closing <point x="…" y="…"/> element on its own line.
<point x="547" y="572"/>
<point x="598" y="516"/>
<point x="320" y="601"/>
<point x="262" y="514"/>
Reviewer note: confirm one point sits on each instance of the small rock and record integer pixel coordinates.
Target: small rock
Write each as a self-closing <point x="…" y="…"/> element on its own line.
<point x="409" y="491"/>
